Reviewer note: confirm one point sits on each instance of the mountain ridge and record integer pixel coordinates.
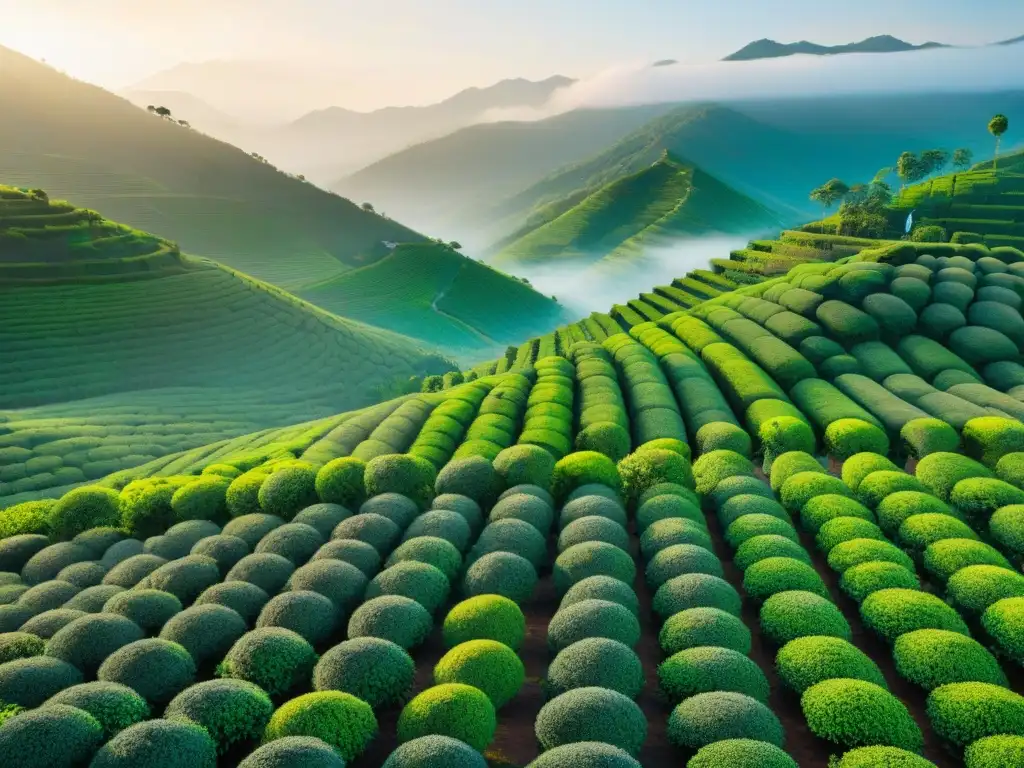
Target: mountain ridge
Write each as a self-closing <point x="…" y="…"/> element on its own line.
<point x="766" y="48"/>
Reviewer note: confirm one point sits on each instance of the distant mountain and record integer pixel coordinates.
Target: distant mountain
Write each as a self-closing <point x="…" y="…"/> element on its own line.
<point x="770" y="49"/>
<point x="620" y="222"/>
<point x="1011" y="41"/>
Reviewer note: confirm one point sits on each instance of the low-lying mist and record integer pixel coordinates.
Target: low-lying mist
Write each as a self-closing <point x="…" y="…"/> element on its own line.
<point x="990" y="68"/>
<point x="583" y="290"/>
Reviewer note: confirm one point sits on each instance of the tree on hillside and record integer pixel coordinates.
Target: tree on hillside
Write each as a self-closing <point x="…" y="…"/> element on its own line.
<point x="963" y="158"/>
<point x="997" y="127"/>
<point x="858" y="194"/>
<point x="184" y="124"/>
<point x="151" y="108"/>
<point x="368" y="207"/>
<point x="934" y="161"/>
<point x="455" y="245"/>
<point x="162" y="111"/>
<point x="830" y="192"/>
<point x="909" y="168"/>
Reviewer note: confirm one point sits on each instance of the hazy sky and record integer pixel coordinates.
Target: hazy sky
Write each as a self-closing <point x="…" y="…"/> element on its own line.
<point x="417" y="51"/>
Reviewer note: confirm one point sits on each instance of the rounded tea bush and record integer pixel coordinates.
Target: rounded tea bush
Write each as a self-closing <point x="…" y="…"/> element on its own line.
<point x="240" y="596"/>
<point x="604" y="437"/>
<point x="47" y="562"/>
<point x="917" y="532"/>
<point x="485" y="617"/>
<point x="473" y="477"/>
<point x="287" y="491"/>
<point x="83" y="508"/>
<point x="671" y="531"/>
<point x="671" y="489"/>
<point x="114" y="706"/>
<point x="924" y="436"/>
<point x="741" y="753"/>
<point x="768" y="545"/>
<point x="252" y="528"/>
<point x="149" y="608"/>
<point x="309" y="614"/>
<point x="592" y="558"/>
<point x="583" y="468"/>
<point x="156" y="669"/>
<point x="397" y="508"/>
<point x="29" y="682"/>
<point x="1007" y="528"/>
<point x="592" y="506"/>
<point x="786" y="616"/>
<point x="586" y="754"/>
<point x="749" y="526"/>
<point x="860" y="465"/>
<point x="375" y="670"/>
<point x="722" y="435"/>
<point x="466" y="507"/>
<point x="1004" y="623"/>
<point x="525" y="465"/>
<point x="48" y="623"/>
<point x="857" y="551"/>
<point x="511" y="536"/>
<point x="351" y="551"/>
<point x="185" y="578"/>
<point x="296" y="542"/>
<point x="848" y="437"/>
<point x="51" y="737"/>
<point x="341" y="583"/>
<point x="231" y="711"/>
<point x="491" y="666"/>
<point x="933" y="657"/>
<point x="995" y="751"/>
<point x="891" y="757"/>
<point x="650" y="467"/>
<point x="339" y="719"/>
<point x="501" y="573"/>
<point x="856" y="713"/>
<point x="88" y="641"/>
<point x="781" y="574"/>
<point x="399" y="619"/>
<point x="896" y="508"/>
<point x="431" y="550"/>
<point x="19" y="645"/>
<point x="711" y="717"/>
<point x="704" y="626"/>
<point x="804" y="486"/>
<point x="595" y="662"/>
<point x="340" y="481"/>
<point x="205" y="631"/>
<point x="861" y="580"/>
<point x="375" y="530"/>
<point x="941" y="471"/>
<point x="840" y="530"/>
<point x="696" y="590"/>
<point x="16" y="551"/>
<point x="744" y="504"/>
<point x="822" y="509"/>
<point x="592" y="618"/>
<point x="442" y="524"/>
<point x="408" y="475"/>
<point x="292" y="752"/>
<point x="452" y="709"/>
<point x="894" y="612"/>
<point x="715" y="466"/>
<point x="792" y="463"/>
<point x="268" y="571"/>
<point x="324" y="517"/>
<point x="593" y="528"/>
<point x="602" y="588"/>
<point x="419" y="581"/>
<point x="83" y="575"/>
<point x="705" y="668"/>
<point x="962" y="713"/>
<point x="883" y="483"/>
<point x="944" y="558"/>
<point x="591" y="714"/>
<point x="809" y="660"/>
<point x="428" y="751"/>
<point x="544" y="495"/>
<point x="159" y="744"/>
<point x="973" y="589"/>
<point x="204" y="499"/>
<point x="48" y="595"/>
<point x="92" y="599"/>
<point x="243" y="494"/>
<point x="274" y="658"/>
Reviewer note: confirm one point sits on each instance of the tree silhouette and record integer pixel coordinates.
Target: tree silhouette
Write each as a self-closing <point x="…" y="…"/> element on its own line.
<point x="830" y="192"/>
<point x="934" y="160"/>
<point x="184" y="124"/>
<point x="368" y="207"/>
<point x="909" y="168"/>
<point x="163" y="111"/>
<point x="997" y="127"/>
<point x="963" y="158"/>
<point x="455" y="245"/>
<point x="151" y="108"/>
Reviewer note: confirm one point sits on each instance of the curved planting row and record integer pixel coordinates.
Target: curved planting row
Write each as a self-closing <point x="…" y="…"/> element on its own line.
<point x="603" y="422"/>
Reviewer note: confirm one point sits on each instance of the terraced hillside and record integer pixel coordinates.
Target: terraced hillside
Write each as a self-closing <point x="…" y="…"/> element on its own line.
<point x="117" y="350"/>
<point x="613" y="227"/>
<point x="433" y="293"/>
<point x="782" y="528"/>
<point x="88" y="145"/>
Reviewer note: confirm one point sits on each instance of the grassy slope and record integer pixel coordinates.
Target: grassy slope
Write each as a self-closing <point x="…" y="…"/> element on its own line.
<point x="433" y="293"/>
<point x="78" y="141"/>
<point x="668" y="199"/>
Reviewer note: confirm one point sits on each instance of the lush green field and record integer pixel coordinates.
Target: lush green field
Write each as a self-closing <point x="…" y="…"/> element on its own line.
<point x="663" y="203"/>
<point x="433" y="293"/>
<point x="80" y="142"/>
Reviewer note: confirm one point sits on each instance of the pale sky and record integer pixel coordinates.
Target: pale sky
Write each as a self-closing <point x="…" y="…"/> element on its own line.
<point x="418" y="51"/>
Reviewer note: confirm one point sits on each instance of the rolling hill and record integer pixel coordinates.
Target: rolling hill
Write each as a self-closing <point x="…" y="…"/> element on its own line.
<point x="669" y="200"/>
<point x="83" y="143"/>
<point x="770" y="49"/>
<point x="118" y="349"/>
<point x="431" y="292"/>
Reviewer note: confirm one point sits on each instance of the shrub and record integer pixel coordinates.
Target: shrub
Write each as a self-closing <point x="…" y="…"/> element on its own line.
<point x="854" y="713"/>
<point x="297" y="542"/>
<point x="781" y="574"/>
<point x="749" y="504"/>
<point x="716" y="716"/>
<point x="670" y="489"/>
<point x="431" y="550"/>
<point x="666" y="507"/>
<point x="979" y="497"/>
<point x="1009" y="468"/>
<point x="456" y="710"/>
<point x="488" y="665"/>
<point x="324" y="517"/>
<point x="892" y="757"/>
<point x="84" y="508"/>
<point x="204" y="499"/>
<point x="583" y="468"/>
<point x="474" y="477"/>
<point x="840" y="530"/>
<point x="595" y="662"/>
<point x="786" y="616"/>
<point x="879" y="485"/>
<point x="48" y="595"/>
<point x="304" y="751"/>
<point x="268" y="571"/>
<point x="995" y="751"/>
<point x="592" y="714"/>
<point x="748" y="526"/>
<point x="705" y="669"/>
<point x="185" y="578"/>
<point x="764" y="546"/>
<point x="86" y="642"/>
<point x="434" y="750"/>
<point x="450" y="526"/>
<point x="205" y="631"/>
<point x="252" y="528"/>
<point x="245" y="599"/>
<point x="807" y="661"/>
<point x="29" y="682"/>
<point x="525" y="465"/>
<point x="894" y="612"/>
<point x="591" y="754"/>
<point x="19" y="645"/>
<point x="529" y="509"/>
<point x="919" y="531"/>
<point x="860" y="465"/>
<point x="341" y="720"/>
<point x="114" y="706"/>
<point x="231" y="711"/>
<point x="26" y="519"/>
<point x="944" y="558"/>
<point x="804" y="486"/>
<point x="704" y="626"/>
<point x="57" y="735"/>
<point x="671" y="531"/>
<point x="602" y="588"/>
<point x="847" y="437"/>
<point x="341" y="583"/>
<point x="352" y="551"/>
<point x="243" y="494"/>
<point x="485" y="617"/>
<point x="898" y="507"/>
<point x="713" y="467"/>
<point x="47" y="562"/>
<point x="922" y="437"/>
<point x="592" y="618"/>
<point x="501" y="573"/>
<point x="159" y="744"/>
<point x="695" y="590"/>
<point x="287" y="491"/>
<point x="783" y="434"/>
<point x="419" y="581"/>
<point x="92" y="599"/>
<point x="861" y="580"/>
<point x="156" y="669"/>
<point x="274" y="658"/>
<point x="973" y="589"/>
<point x="792" y="463"/>
<point x="723" y="435"/>
<point x="962" y="713"/>
<point x="741" y="753"/>
<point x="648" y="467"/>
<point x="399" y="619"/>
<point x="408" y="475"/>
<point x="941" y="471"/>
<point x="933" y="657"/>
<point x="856" y="551"/>
<point x="17" y="551"/>
<point x="511" y="536"/>
<point x="988" y="438"/>
<point x="309" y="614"/>
<point x="146" y="505"/>
<point x="593" y="558"/>
<point x="373" y="529"/>
<point x="46" y="624"/>
<point x="340" y="481"/>
<point x="1007" y="528"/>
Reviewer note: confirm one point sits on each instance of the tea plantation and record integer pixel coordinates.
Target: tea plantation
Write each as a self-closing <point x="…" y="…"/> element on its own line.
<point x="783" y="526"/>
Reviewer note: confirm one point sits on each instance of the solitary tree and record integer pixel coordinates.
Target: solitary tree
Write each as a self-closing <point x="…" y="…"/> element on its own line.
<point x="830" y="192"/>
<point x="963" y="158"/>
<point x="909" y="168"/>
<point x="455" y="245"/>
<point x="997" y="127"/>
<point x="162" y="111"/>
<point x="184" y="124"/>
<point x="368" y="207"/>
<point x="934" y="160"/>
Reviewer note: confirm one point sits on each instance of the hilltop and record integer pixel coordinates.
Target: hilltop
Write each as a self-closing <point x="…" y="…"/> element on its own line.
<point x="118" y="349"/>
<point x="83" y="143"/>
<point x="431" y="292"/>
<point x="770" y="49"/>
<point x="668" y="200"/>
